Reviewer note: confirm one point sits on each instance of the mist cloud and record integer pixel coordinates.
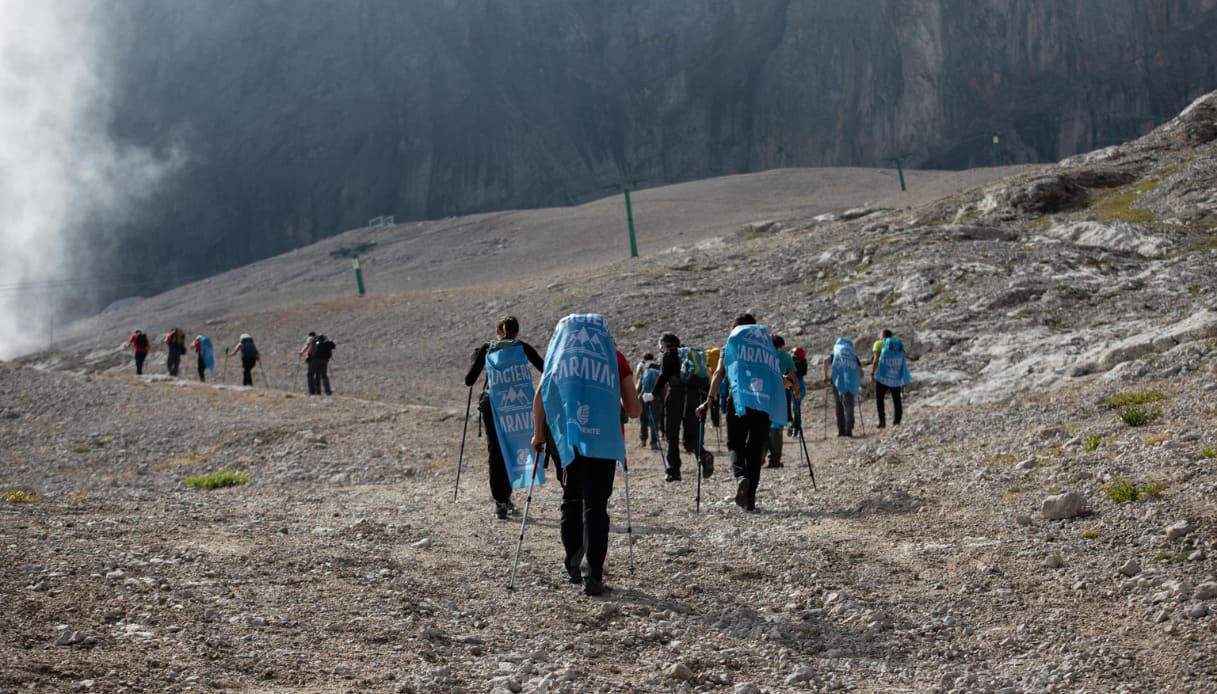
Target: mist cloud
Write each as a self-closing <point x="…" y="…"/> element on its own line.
<point x="63" y="180"/>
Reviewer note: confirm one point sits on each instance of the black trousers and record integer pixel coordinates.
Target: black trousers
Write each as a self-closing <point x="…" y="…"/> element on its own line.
<point x="247" y="375"/>
<point x="139" y="362"/>
<point x="747" y="439"/>
<point x="174" y="362"/>
<point x="318" y="376"/>
<point x="845" y="413"/>
<point x="500" y="484"/>
<point x="202" y="369"/>
<point x="585" y="519"/>
<point x="897" y="408"/>
<point x="647" y="424"/>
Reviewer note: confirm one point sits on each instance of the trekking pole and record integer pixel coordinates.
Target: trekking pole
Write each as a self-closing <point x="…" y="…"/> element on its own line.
<point x="296" y="372"/>
<point x="224" y="373"/>
<point x="861" y="421"/>
<point x="461" y="458"/>
<point x="798" y="409"/>
<point x="701" y="427"/>
<point x="629" y="526"/>
<point x="662" y="460"/>
<point x="826" y="413"/>
<point x="536" y="465"/>
<point x="264" y="378"/>
<point x="810" y="471"/>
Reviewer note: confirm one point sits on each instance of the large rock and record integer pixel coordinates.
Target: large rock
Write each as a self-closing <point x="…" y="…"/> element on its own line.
<point x="1061" y="506"/>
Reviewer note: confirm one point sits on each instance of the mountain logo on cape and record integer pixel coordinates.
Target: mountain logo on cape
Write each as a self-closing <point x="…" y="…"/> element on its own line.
<point x="581" y="342"/>
<point x="513" y="398"/>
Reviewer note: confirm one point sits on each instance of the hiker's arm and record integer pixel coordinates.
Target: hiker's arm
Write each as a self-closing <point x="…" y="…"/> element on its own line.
<point x="719" y="374"/>
<point x="534" y="357"/>
<point x="629" y="398"/>
<point x="538" y="422"/>
<point x="478" y="360"/>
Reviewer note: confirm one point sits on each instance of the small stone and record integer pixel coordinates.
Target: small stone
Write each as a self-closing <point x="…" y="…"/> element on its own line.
<point x="1178" y="530"/>
<point x="1196" y="610"/>
<point x="802" y="673"/>
<point x="1023" y="519"/>
<point x="258" y="621"/>
<point x="678" y="671"/>
<point x="1061" y="506"/>
<point x="747" y="688"/>
<point x="422" y="544"/>
<point x="1131" y="568"/>
<point x="1206" y="590"/>
<point x="1054" y="561"/>
<point x="115" y="574"/>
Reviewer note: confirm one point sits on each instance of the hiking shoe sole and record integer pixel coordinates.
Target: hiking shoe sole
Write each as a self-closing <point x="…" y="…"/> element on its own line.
<point x="741" y="492"/>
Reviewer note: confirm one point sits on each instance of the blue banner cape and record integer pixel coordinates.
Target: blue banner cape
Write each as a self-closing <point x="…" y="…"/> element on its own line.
<point x="846" y="374"/>
<point x="893" y="369"/>
<point x="581" y="390"/>
<point x="509" y="383"/>
<point x="755" y="373"/>
<point x="207" y="352"/>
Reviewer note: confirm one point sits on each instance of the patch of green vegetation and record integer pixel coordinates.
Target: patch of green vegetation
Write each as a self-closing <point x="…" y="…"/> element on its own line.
<point x="1139" y="415"/>
<point x="1090" y="533"/>
<point x="1174" y="557"/>
<point x="1116" y="205"/>
<point x="18" y="496"/>
<point x="638" y="325"/>
<point x="218" y="479"/>
<point x="1156" y="439"/>
<point x="1194" y="289"/>
<point x="830" y="287"/>
<point x="1139" y="397"/>
<point x="892" y="299"/>
<point x="352" y="251"/>
<point x="1209" y="453"/>
<point x="182" y="461"/>
<point x="81" y="449"/>
<point x="1092" y="442"/>
<point x="1122" y="491"/>
<point x="967" y="217"/>
<point x="1004" y="458"/>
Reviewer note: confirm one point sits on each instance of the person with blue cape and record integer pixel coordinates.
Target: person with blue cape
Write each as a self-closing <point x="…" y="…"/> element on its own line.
<point x="505" y="405"/>
<point x="586" y="390"/>
<point x="843" y="371"/>
<point x="756" y="401"/>
<point x="207" y="355"/>
<point x="890" y="372"/>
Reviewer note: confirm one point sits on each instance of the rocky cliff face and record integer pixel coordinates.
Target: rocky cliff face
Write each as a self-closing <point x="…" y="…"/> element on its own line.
<point x="305" y="118"/>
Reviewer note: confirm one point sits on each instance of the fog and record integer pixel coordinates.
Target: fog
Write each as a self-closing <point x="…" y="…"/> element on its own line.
<point x="64" y="183"/>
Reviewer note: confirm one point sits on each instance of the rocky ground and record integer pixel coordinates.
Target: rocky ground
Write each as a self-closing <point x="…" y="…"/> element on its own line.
<point x="989" y="543"/>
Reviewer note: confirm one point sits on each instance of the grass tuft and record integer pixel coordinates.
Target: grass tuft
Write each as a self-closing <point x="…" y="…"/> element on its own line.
<point x="18" y="496"/>
<point x="1139" y="415"/>
<point x="218" y="479"/>
<point x="1208" y="453"/>
<point x="1140" y="397"/>
<point x="1122" y="491"/>
<point x="1092" y="442"/>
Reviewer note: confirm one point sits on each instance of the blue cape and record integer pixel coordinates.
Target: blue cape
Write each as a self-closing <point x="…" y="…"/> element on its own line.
<point x="581" y="390"/>
<point x="893" y="369"/>
<point x="509" y="383"/>
<point x="846" y="374"/>
<point x="755" y="373"/>
<point x="207" y="352"/>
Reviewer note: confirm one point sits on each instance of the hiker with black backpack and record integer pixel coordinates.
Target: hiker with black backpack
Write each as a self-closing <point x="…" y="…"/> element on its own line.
<point x="317" y="352"/>
<point x="249" y="358"/>
<point x="139" y="344"/>
<point x="176" y="341"/>
<point x="506" y="332"/>
<point x="756" y="401"/>
<point x="683" y="372"/>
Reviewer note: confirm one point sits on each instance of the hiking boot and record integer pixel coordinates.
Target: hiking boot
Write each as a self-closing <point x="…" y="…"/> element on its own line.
<point x="751" y="507"/>
<point x="707" y="464"/>
<point x="569" y="576"/>
<point x="593" y="586"/>
<point x="654" y="445"/>
<point x="511" y="508"/>
<point x="775" y="464"/>
<point x="741" y="492"/>
<point x="672" y="476"/>
<point x="500" y="510"/>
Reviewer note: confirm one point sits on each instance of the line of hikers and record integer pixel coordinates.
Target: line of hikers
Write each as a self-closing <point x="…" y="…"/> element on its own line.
<point x="316" y="352"/>
<point x="588" y="392"/>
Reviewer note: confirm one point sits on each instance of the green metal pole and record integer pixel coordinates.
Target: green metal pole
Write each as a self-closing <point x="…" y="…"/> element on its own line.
<point x="629" y="216"/>
<point x="996" y="149"/>
<point x="359" y="276"/>
<point x="900" y="171"/>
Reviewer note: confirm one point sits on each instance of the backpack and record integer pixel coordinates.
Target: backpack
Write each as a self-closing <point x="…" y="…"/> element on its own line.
<point x="649" y="378"/>
<point x="141" y="340"/>
<point x="800" y="366"/>
<point x="248" y="351"/>
<point x="692" y="364"/>
<point x="323" y="348"/>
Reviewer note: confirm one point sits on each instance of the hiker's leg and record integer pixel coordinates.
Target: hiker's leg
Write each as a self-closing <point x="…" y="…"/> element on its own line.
<point x="500" y="484"/>
<point x="139" y="362"/>
<point x="737" y="439"/>
<point x="571" y="524"/>
<point x="880" y="389"/>
<point x="323" y="377"/>
<point x="674" y="406"/>
<point x="897" y="405"/>
<point x="314" y="384"/>
<point x="644" y="421"/>
<point x="775" y="447"/>
<point x="202" y="369"/>
<point x="756" y="425"/>
<point x="841" y="428"/>
<point x="597" y="485"/>
<point x="847" y="406"/>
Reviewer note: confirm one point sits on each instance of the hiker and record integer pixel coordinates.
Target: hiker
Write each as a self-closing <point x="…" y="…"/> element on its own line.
<point x="791" y="384"/>
<point x="249" y="358"/>
<point x="645" y="385"/>
<point x="317" y="352"/>
<point x="306" y="353"/>
<point x="506" y="332"/>
<point x="207" y="355"/>
<point x="843" y="373"/>
<point x="755" y="401"/>
<point x="176" y="340"/>
<point x="683" y="372"/>
<point x="586" y="394"/>
<point x="800" y="369"/>
<point x="139" y="344"/>
<point x="890" y="373"/>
